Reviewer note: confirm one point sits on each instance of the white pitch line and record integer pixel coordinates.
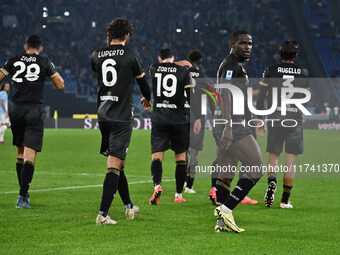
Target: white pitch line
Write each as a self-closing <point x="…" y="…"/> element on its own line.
<point x="76" y="174"/>
<point x="77" y="187"/>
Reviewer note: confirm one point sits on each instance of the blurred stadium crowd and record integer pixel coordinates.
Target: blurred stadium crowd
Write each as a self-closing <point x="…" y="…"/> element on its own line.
<point x="72" y="30"/>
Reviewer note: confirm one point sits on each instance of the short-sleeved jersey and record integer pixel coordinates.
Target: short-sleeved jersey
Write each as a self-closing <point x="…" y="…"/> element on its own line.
<point x="3" y="96"/>
<point x="116" y="66"/>
<point x="232" y="71"/>
<point x="29" y="72"/>
<point x="284" y="75"/>
<point x="201" y="83"/>
<point x="169" y="82"/>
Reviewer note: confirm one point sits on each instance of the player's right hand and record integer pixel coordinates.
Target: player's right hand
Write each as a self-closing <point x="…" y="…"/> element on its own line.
<point x="260" y="129"/>
<point x="146" y="104"/>
<point x="183" y="63"/>
<point x="227" y="138"/>
<point x="197" y="126"/>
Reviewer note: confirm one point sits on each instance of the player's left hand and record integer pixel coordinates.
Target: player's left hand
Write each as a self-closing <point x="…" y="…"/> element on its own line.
<point x="146" y="104"/>
<point x="227" y="138"/>
<point x="197" y="126"/>
<point x="183" y="63"/>
<point x="260" y="129"/>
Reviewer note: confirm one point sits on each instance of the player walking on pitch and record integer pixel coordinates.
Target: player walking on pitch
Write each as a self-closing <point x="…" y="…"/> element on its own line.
<point x="170" y="120"/>
<point x="28" y="71"/>
<point x="284" y="74"/>
<point x="116" y="66"/>
<point x="235" y="142"/>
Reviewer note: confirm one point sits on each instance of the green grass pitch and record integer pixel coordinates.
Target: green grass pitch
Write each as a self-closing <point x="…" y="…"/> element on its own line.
<point x="62" y="221"/>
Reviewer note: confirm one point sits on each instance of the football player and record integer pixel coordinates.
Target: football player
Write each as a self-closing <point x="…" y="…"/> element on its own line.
<point x="28" y="72"/>
<point x="284" y="74"/>
<point x="116" y="67"/>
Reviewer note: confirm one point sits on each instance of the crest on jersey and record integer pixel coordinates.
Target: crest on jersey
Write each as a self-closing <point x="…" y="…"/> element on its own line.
<point x="229" y="75"/>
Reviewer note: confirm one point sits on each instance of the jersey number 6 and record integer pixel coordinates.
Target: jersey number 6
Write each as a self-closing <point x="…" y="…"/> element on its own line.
<point x="107" y="67"/>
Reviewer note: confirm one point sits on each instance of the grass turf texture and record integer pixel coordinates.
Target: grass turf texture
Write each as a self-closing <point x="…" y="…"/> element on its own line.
<point x="63" y="221"/>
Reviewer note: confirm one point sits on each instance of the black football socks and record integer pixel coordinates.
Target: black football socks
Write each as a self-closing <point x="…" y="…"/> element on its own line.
<point x="244" y="185"/>
<point x="180" y="175"/>
<point x="271" y="177"/>
<point x="286" y="193"/>
<point x="26" y="177"/>
<point x="190" y="181"/>
<point x="214" y="174"/>
<point x="222" y="190"/>
<point x="123" y="188"/>
<point x="110" y="187"/>
<point x="156" y="171"/>
<point x="19" y="164"/>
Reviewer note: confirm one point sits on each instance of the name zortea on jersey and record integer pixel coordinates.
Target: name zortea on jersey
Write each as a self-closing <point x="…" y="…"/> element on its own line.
<point x="167" y="69"/>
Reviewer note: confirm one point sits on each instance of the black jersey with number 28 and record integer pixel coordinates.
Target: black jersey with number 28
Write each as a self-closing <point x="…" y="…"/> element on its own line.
<point x="29" y="72"/>
<point x="116" y="66"/>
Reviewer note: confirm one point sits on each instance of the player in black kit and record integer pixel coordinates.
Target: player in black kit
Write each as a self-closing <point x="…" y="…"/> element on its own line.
<point x="200" y="80"/>
<point x="116" y="66"/>
<point x="28" y="71"/>
<point x="284" y="74"/>
<point x="170" y="120"/>
<point x="234" y="138"/>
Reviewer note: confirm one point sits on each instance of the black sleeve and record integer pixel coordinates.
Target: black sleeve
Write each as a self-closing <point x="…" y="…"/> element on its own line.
<point x="211" y="103"/>
<point x="264" y="80"/>
<point x="137" y="66"/>
<point x="260" y="99"/>
<point x="151" y="71"/>
<point x="8" y="67"/>
<point x="305" y="73"/>
<point x="50" y="69"/>
<point x="227" y="72"/>
<point x="195" y="103"/>
<point x="93" y="63"/>
<point x="144" y="88"/>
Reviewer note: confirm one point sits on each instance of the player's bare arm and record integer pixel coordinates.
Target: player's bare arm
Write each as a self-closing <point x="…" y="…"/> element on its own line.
<point x="261" y="129"/>
<point x="58" y="81"/>
<point x="183" y="63"/>
<point x="146" y="92"/>
<point x="197" y="126"/>
<point x="2" y="76"/>
<point x="227" y="136"/>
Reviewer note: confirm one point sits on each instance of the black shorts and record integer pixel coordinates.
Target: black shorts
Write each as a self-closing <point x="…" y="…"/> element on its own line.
<point x="27" y="124"/>
<point x="196" y="141"/>
<point x="116" y="138"/>
<point x="292" y="137"/>
<point x="169" y="136"/>
<point x="239" y="132"/>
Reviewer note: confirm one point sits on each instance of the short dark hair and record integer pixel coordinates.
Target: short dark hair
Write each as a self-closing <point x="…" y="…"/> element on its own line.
<point x="33" y="42"/>
<point x="288" y="50"/>
<point x="118" y="28"/>
<point x="165" y="53"/>
<point x="195" y="56"/>
<point x="234" y="36"/>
